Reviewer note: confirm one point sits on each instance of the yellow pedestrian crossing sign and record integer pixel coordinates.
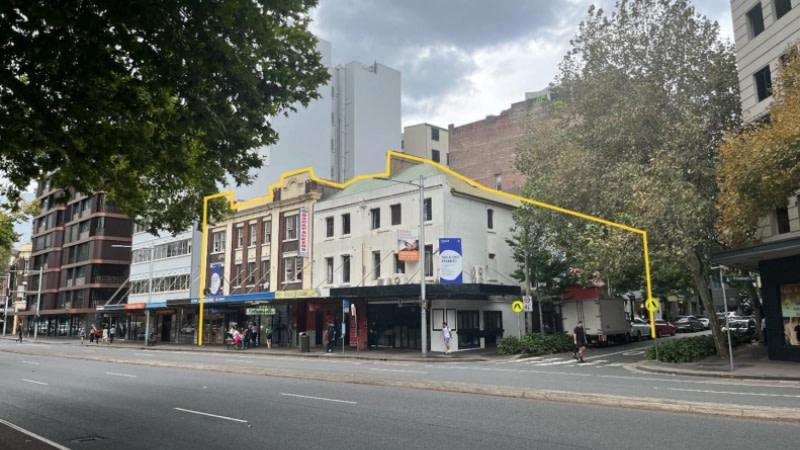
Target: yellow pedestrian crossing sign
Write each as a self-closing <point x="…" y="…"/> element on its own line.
<point x="517" y="306"/>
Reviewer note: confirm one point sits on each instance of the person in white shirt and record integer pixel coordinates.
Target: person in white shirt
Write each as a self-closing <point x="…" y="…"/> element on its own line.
<point x="446" y="335"/>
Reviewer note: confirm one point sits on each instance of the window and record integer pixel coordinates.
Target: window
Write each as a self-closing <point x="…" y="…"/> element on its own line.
<point x="376" y="265"/>
<point x="782" y="219"/>
<point x="345" y="224"/>
<point x="428" y="260"/>
<point x="396" y="216"/>
<point x="292" y="269"/>
<point x="329" y="227"/>
<point x="267" y="224"/>
<point x="291" y="228"/>
<point x="427" y="206"/>
<point x="490" y="219"/>
<point x="218" y="242"/>
<point x="239" y="237"/>
<point x="346" y="269"/>
<point x="498" y="181"/>
<point x="763" y="79"/>
<point x="399" y="266"/>
<point x="376" y="218"/>
<point x="251" y="273"/>
<point x="265" y="273"/>
<point x="434" y="134"/>
<point x="782" y="7"/>
<point x="237" y="275"/>
<point x="435" y="157"/>
<point x="756" y="20"/>
<point x="253" y="235"/>
<point x="329" y="270"/>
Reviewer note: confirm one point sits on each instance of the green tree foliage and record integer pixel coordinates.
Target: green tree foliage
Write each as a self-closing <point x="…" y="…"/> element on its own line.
<point x="9" y="237"/>
<point x="760" y="165"/>
<point x="155" y="103"/>
<point x="646" y="94"/>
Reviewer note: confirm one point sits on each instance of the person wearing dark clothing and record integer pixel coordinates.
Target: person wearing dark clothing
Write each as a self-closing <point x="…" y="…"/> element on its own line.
<point x="330" y="336"/>
<point x="372" y="338"/>
<point x="579" y="339"/>
<point x="19" y="333"/>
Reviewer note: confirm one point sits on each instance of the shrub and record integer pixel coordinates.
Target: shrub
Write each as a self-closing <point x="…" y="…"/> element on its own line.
<point x="690" y="349"/>
<point x="536" y="344"/>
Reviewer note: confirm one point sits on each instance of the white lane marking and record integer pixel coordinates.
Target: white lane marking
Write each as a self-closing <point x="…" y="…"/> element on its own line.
<point x="211" y="415"/>
<point x="143" y="354"/>
<point x="593" y="363"/>
<point x="35" y="382"/>
<point x="320" y="398"/>
<point x="34" y="435"/>
<point x="120" y="374"/>
<point x="709" y="391"/>
<point x="30" y="362"/>
<point x="239" y="361"/>
<point x="400" y="371"/>
<point x="633" y="353"/>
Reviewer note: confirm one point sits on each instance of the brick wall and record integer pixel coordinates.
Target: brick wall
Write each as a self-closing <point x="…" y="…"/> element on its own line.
<point x="482" y="149"/>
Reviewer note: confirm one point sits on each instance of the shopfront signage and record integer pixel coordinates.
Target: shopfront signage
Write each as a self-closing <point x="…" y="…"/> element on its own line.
<point x="260" y="311"/>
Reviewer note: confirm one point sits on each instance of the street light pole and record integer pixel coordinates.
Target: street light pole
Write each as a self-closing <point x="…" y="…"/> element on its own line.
<point x="423" y="303"/>
<point x="727" y="320"/>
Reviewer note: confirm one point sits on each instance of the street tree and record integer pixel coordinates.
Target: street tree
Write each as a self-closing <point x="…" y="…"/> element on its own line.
<point x="645" y="96"/>
<point x="8" y="236"/>
<point x="155" y="103"/>
<point x="760" y="164"/>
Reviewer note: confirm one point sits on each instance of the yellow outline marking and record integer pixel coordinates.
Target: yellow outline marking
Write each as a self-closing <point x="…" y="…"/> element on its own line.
<point x="387" y="174"/>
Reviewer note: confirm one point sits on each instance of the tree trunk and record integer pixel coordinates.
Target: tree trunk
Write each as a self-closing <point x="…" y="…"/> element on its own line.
<point x="701" y="286"/>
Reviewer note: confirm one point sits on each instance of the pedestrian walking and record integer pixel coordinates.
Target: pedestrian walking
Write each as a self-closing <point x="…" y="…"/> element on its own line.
<point x="105" y="334"/>
<point x="446" y="335"/>
<point x="111" y="333"/>
<point x="92" y="334"/>
<point x="83" y="336"/>
<point x="579" y="338"/>
<point x="330" y="336"/>
<point x="268" y="334"/>
<point x="19" y="333"/>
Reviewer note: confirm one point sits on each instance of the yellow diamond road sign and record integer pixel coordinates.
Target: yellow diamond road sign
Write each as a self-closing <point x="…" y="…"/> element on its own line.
<point x="517" y="306"/>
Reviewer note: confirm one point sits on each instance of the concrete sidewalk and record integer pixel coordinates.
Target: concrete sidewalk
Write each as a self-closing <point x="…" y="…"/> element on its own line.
<point x="749" y="362"/>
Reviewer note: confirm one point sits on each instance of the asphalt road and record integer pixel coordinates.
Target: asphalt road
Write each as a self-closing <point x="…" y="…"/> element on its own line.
<point x="607" y="372"/>
<point x="82" y="404"/>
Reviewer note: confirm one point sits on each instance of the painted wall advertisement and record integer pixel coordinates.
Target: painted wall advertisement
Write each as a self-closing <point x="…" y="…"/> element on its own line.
<point x="408" y="245"/>
<point x="790" y="309"/>
<point x="451" y="266"/>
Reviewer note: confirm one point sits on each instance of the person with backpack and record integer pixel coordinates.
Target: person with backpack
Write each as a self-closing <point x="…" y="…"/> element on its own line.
<point x="330" y="336"/>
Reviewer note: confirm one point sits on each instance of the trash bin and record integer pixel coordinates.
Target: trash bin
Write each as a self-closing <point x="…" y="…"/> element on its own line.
<point x="304" y="343"/>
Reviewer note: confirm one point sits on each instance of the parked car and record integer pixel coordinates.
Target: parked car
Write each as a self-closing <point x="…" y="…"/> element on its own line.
<point x="688" y="324"/>
<point x="705" y="321"/>
<point x="664" y="328"/>
<point x="746" y="327"/>
<point x="639" y="329"/>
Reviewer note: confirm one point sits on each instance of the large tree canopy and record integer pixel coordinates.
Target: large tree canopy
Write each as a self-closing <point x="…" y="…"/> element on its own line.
<point x="646" y="94"/>
<point x="155" y="103"/>
<point x="761" y="165"/>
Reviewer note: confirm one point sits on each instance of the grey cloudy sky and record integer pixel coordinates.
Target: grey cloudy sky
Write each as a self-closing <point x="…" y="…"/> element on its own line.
<point x="462" y="60"/>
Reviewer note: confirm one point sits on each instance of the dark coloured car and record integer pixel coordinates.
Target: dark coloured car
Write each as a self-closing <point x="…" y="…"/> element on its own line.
<point x="688" y="325"/>
<point x="664" y="328"/>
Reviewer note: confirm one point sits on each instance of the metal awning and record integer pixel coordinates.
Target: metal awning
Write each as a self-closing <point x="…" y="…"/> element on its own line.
<point x="748" y="258"/>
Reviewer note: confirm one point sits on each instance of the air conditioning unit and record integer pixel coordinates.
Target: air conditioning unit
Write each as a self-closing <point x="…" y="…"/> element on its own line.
<point x="381" y="281"/>
<point x="400" y="278"/>
<point x="478" y="274"/>
<point x="265" y="285"/>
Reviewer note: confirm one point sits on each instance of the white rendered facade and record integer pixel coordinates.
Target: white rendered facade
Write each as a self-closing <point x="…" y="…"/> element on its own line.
<point x="427" y="141"/>
<point x="170" y="267"/>
<point x="457" y="210"/>
<point x="762" y="31"/>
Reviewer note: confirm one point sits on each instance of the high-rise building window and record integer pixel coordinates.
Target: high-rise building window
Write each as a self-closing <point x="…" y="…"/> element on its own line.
<point x="763" y="79"/>
<point x="253" y="235"/>
<point x="490" y="219"/>
<point x="434" y="134"/>
<point x="239" y="237"/>
<point x="251" y="273"/>
<point x="265" y="273"/>
<point x="782" y="219"/>
<point x="218" y="242"/>
<point x="435" y="157"/>
<point x="399" y="266"/>
<point x="755" y="18"/>
<point x="329" y="270"/>
<point x="267" y="224"/>
<point x="428" y="260"/>
<point x="291" y="228"/>
<point x="782" y="7"/>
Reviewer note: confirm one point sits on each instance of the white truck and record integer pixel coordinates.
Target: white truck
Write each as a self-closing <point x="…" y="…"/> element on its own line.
<point x="604" y="319"/>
